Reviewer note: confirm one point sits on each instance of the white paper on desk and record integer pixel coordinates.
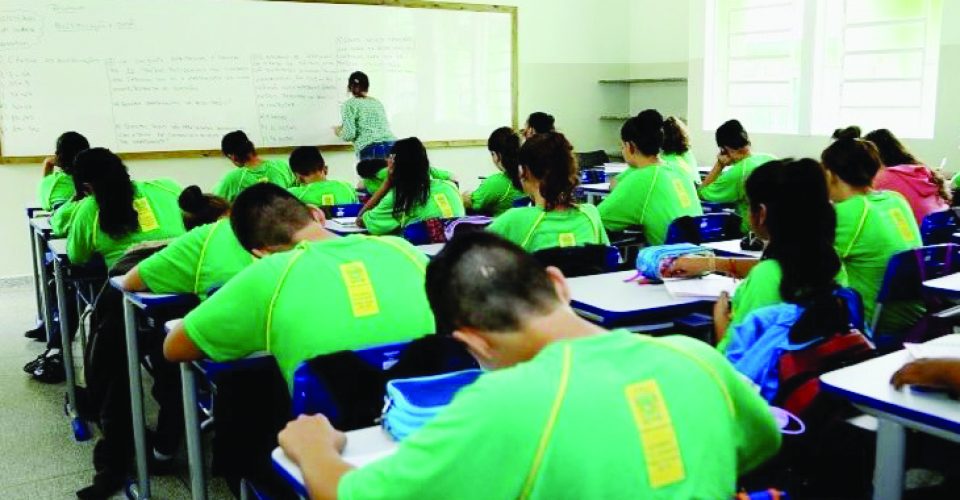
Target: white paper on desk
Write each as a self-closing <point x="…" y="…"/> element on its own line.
<point x="933" y="350"/>
<point x="707" y="287"/>
<point x="345" y="222"/>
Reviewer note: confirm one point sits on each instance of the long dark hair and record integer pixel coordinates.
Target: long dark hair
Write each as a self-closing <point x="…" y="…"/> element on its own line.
<point x="855" y="161"/>
<point x="110" y="182"/>
<point x="505" y="142"/>
<point x="69" y="144"/>
<point x="199" y="208"/>
<point x="893" y="153"/>
<point x="549" y="158"/>
<point x="411" y="176"/>
<point x="644" y="131"/>
<point x="675" y="138"/>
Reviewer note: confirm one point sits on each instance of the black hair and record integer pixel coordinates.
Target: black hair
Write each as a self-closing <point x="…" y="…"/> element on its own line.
<point x="732" y="135"/>
<point x="541" y="122"/>
<point x="199" y="208"/>
<point x="676" y="140"/>
<point x="644" y="131"/>
<point x="851" y="132"/>
<point x="110" y="182"/>
<point x="411" y="176"/>
<point x="368" y="169"/>
<point x="306" y="160"/>
<point x="549" y="158"/>
<point x="238" y="145"/>
<point x="855" y="161"/>
<point x="358" y="83"/>
<point x="505" y="142"/>
<point x="265" y="215"/>
<point x="480" y="280"/>
<point x="69" y="144"/>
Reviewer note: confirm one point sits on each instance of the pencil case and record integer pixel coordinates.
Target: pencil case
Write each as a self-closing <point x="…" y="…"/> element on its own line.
<point x="651" y="261"/>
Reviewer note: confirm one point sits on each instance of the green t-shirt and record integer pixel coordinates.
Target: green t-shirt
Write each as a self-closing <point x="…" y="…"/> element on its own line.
<point x="731" y="186"/>
<point x="157" y="210"/>
<point x="373" y="185"/>
<point x="870" y="230"/>
<point x="687" y="163"/>
<point x="535" y="229"/>
<point x="652" y="197"/>
<point x="319" y="298"/>
<point x="204" y="258"/>
<point x="364" y="122"/>
<point x="495" y="195"/>
<point x="55" y="190"/>
<point x="238" y="179"/>
<point x="443" y="202"/>
<point x="62" y="217"/>
<point x="760" y="289"/>
<point x="326" y="193"/>
<point x="619" y="415"/>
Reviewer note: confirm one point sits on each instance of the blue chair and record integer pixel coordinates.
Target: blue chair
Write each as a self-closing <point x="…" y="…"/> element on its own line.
<point x="433" y="230"/>
<point x="348" y="210"/>
<point x="593" y="176"/>
<point x="704" y="229"/>
<point x="522" y="202"/>
<point x="939" y="227"/>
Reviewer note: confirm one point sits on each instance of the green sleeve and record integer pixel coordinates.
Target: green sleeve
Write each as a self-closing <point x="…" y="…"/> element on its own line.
<point x="55" y="189"/>
<point x="443" y="175"/>
<point x="621" y="209"/>
<point x="727" y="188"/>
<point x="380" y="220"/>
<point x="348" y="122"/>
<point x="760" y="289"/>
<point x="490" y="192"/>
<point x="174" y="269"/>
<point x="80" y="247"/>
<point x="62" y="217"/>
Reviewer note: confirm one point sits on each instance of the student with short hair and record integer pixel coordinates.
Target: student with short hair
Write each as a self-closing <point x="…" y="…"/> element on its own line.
<point x="676" y="148"/>
<point x="872" y="226"/>
<point x="363" y="121"/>
<point x="925" y="190"/>
<point x="409" y="194"/>
<point x="314" y="188"/>
<point x="726" y="182"/>
<point x="251" y="168"/>
<point x="650" y="193"/>
<point x="569" y="410"/>
<point x="497" y="192"/>
<point x="538" y="123"/>
<point x="310" y="293"/>
<point x="549" y="175"/>
<point x="58" y="192"/>
<point x="201" y="260"/>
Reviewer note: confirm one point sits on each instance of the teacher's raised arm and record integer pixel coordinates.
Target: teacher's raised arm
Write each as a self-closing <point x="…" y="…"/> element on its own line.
<point x="364" y="121"/>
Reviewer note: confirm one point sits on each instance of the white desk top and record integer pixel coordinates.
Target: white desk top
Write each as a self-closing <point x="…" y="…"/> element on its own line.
<point x="867" y="385"/>
<point x="344" y="225"/>
<point x="431" y="249"/>
<point x="949" y="284"/>
<point x="603" y="187"/>
<point x="58" y="247"/>
<point x="732" y="247"/>
<point x="615" y="168"/>
<point x="610" y="294"/>
<point x="41" y="224"/>
<point x="144" y="300"/>
<point x="363" y="447"/>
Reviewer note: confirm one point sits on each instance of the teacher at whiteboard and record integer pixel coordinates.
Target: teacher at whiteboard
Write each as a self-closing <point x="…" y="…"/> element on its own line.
<point x="364" y="121"/>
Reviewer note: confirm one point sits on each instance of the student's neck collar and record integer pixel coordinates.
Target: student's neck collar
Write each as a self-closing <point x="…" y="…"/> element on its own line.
<point x="313" y="232"/>
<point x="318" y="176"/>
<point x="844" y="192"/>
<point x="645" y="161"/>
<point x="560" y="324"/>
<point x="253" y="162"/>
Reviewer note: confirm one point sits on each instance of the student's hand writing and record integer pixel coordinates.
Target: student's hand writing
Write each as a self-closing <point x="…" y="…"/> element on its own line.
<point x="686" y="267"/>
<point x="934" y="372"/>
<point x="48" y="165"/>
<point x="310" y="434"/>
<point x="721" y="315"/>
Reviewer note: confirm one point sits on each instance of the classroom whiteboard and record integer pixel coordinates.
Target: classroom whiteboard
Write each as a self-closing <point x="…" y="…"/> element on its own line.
<point x="174" y="75"/>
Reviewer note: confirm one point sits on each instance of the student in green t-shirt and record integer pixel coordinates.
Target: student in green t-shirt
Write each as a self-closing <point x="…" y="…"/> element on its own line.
<point x="569" y="410"/>
<point x="409" y="194"/>
<point x="57" y="192"/>
<point x="251" y="169"/>
<point x="314" y="188"/>
<point x="650" y="193"/>
<point x="203" y="259"/>
<point x="727" y="180"/>
<point x="872" y="226"/>
<point x="373" y="173"/>
<point x="361" y="290"/>
<point x="676" y="148"/>
<point x="497" y="192"/>
<point x="549" y="174"/>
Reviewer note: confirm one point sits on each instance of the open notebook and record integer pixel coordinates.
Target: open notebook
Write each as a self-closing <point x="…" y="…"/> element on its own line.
<point x="708" y="287"/>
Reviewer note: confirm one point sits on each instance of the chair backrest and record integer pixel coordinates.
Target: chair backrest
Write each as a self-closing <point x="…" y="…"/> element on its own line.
<point x="424" y="232"/>
<point x="938" y="227"/>
<point x="704" y="229"/>
<point x="907" y="271"/>
<point x="593" y="176"/>
<point x="522" y="202"/>
<point x="581" y="261"/>
<point x="347" y="210"/>
<point x="589" y="159"/>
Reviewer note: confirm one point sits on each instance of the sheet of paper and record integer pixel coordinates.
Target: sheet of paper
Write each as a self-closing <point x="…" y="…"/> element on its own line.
<point x="708" y="287"/>
<point x="934" y="350"/>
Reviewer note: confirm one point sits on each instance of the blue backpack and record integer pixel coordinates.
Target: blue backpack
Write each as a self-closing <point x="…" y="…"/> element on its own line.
<point x="412" y="402"/>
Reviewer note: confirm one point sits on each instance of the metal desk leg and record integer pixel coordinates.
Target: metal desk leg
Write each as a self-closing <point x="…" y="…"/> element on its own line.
<point x="190" y="419"/>
<point x="44" y="279"/>
<point x="66" y="347"/>
<point x="591" y="198"/>
<point x="136" y="400"/>
<point x="888" y="468"/>
<point x="36" y="273"/>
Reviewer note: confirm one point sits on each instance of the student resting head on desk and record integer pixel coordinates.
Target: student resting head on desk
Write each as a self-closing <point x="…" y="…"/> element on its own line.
<point x="569" y="411"/>
<point x="650" y="193"/>
<point x="872" y="226"/>
<point x="314" y="188"/>
<point x="409" y="194"/>
<point x="924" y="188"/>
<point x="310" y="293"/>
<point x="58" y="192"/>
<point x="497" y="192"/>
<point x="549" y="175"/>
<point x="251" y="169"/>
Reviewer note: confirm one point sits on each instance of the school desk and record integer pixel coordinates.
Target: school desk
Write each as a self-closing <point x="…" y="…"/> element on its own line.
<point x="432" y="249"/>
<point x="947" y="286"/>
<point x="40" y="233"/>
<point x="32" y="213"/>
<point x="363" y="447"/>
<point x="731" y="248"/>
<point x="867" y="386"/>
<point x="344" y="226"/>
<point x="595" y="192"/>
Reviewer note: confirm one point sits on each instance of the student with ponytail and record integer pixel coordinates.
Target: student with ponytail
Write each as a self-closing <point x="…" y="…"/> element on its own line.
<point x="650" y="193"/>
<point x="549" y="175"/>
<point x="925" y="190"/>
<point x="497" y="192"/>
<point x="251" y="169"/>
<point x="676" y="148"/>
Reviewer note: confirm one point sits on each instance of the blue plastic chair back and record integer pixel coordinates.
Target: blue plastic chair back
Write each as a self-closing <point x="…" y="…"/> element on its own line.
<point x="704" y="229"/>
<point x="417" y="233"/>
<point x="854" y="308"/>
<point x="348" y="210"/>
<point x="907" y="271"/>
<point x="522" y="202"/>
<point x="593" y="176"/>
<point x="939" y="227"/>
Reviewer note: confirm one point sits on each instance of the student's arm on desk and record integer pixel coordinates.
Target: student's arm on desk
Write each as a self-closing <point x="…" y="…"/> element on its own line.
<point x="132" y="282"/>
<point x="684" y="267"/>
<point x="178" y="347"/>
<point x="315" y="446"/>
<point x="931" y="372"/>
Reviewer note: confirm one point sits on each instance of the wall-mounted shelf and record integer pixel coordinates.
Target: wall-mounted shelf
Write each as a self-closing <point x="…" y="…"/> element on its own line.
<point x="619" y="118"/>
<point x="645" y="80"/>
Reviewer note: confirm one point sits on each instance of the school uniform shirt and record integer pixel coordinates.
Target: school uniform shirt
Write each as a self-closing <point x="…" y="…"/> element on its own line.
<point x="652" y="197"/>
<point x="687" y="163"/>
<point x="761" y="288"/>
<point x="373" y="185"/>
<point x="204" y="258"/>
<point x="157" y="212"/>
<point x="62" y="217"/>
<point x="364" y="122"/>
<point x="611" y="416"/>
<point x="534" y="228"/>
<point x="871" y="228"/>
<point x="731" y="186"/>
<point x="915" y="183"/>
<point x="443" y="202"/>
<point x="238" y="179"/>
<point x="321" y="297"/>
<point x="326" y="193"/>
<point x="55" y="190"/>
<point x="495" y="195"/>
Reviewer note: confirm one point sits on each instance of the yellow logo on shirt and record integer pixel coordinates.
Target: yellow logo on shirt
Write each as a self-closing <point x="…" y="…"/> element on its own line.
<point x="900" y="221"/>
<point x="657" y="436"/>
<point x="363" y="300"/>
<point x="145" y="216"/>
<point x="445" y="209"/>
<point x="567" y="240"/>
<point x="328" y="200"/>
<point x="681" y="193"/>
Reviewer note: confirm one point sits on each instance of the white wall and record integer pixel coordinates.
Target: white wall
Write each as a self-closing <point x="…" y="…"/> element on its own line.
<point x="559" y="69"/>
